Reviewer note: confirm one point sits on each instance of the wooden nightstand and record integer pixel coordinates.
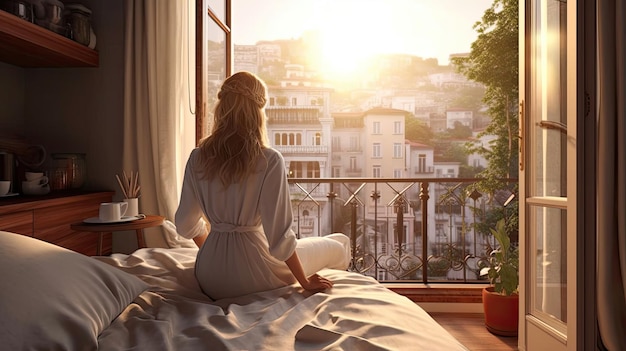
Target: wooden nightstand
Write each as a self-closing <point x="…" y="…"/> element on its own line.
<point x="49" y="217"/>
<point x="138" y="226"/>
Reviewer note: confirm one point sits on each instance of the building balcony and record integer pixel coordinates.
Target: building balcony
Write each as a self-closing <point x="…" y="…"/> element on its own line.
<point x="353" y="149"/>
<point x="354" y="172"/>
<point x="293" y="114"/>
<point x="302" y="149"/>
<point x="424" y="170"/>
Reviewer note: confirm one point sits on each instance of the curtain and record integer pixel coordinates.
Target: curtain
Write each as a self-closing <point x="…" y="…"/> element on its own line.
<point x="159" y="125"/>
<point x="611" y="169"/>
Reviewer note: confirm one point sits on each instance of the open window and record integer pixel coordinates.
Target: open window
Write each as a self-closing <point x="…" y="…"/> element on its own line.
<point x="214" y="57"/>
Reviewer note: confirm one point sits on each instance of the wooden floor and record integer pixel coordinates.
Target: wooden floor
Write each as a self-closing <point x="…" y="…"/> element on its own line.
<point x="469" y="329"/>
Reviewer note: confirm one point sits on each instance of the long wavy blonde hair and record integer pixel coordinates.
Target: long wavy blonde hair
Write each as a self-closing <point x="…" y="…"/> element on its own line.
<point x="239" y="133"/>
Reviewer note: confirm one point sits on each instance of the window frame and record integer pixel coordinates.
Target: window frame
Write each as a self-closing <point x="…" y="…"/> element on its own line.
<point x="205" y="15"/>
<point x="376" y="150"/>
<point x="397" y="150"/>
<point x="397" y="127"/>
<point x="376" y="127"/>
<point x="376" y="171"/>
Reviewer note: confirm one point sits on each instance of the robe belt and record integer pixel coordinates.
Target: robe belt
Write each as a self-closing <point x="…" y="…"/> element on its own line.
<point x="228" y="227"/>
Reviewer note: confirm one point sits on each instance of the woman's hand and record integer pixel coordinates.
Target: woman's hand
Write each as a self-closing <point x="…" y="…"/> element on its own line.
<point x="314" y="283"/>
<point x="317" y="283"/>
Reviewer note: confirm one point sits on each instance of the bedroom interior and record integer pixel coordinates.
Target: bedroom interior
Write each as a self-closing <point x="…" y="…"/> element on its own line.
<point x="73" y="99"/>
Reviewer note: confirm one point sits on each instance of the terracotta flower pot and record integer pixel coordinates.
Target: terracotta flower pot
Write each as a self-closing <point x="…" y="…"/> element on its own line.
<point x="501" y="312"/>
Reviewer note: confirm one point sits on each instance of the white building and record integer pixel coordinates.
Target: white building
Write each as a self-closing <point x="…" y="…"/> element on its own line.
<point x="246" y="58"/>
<point x="459" y="115"/>
<point x="299" y="126"/>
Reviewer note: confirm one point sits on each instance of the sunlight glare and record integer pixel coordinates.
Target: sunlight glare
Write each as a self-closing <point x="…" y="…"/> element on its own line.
<point x="355" y="30"/>
<point x="352" y="33"/>
<point x="346" y="32"/>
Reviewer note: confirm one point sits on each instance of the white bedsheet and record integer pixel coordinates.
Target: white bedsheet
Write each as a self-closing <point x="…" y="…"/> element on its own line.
<point x="358" y="313"/>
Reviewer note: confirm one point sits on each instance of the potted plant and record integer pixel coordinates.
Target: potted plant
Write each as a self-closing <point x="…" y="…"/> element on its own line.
<point x="501" y="299"/>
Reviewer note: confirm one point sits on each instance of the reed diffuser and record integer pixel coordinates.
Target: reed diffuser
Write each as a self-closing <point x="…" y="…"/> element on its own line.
<point x="129" y="184"/>
<point x="130" y="188"/>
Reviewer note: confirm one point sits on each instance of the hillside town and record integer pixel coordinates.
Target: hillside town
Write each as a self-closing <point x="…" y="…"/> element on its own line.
<point x="400" y="121"/>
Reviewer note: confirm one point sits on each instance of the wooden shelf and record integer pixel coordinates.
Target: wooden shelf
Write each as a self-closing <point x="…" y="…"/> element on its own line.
<point x="26" y="44"/>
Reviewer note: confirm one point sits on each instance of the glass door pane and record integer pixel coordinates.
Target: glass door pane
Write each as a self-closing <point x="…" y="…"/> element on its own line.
<point x="549" y="276"/>
<point x="546" y="177"/>
<point x="549" y="98"/>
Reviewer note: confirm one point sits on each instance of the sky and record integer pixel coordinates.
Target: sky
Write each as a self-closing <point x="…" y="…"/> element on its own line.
<point x="348" y="28"/>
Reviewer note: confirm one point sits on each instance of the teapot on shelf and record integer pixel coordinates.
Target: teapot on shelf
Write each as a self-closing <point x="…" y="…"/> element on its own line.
<point x="49" y="14"/>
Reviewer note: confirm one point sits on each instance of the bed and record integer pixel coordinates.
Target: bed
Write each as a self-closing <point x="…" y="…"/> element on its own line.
<point x="56" y="299"/>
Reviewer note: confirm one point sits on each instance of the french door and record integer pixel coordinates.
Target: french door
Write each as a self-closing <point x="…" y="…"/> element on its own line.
<point x="548" y="113"/>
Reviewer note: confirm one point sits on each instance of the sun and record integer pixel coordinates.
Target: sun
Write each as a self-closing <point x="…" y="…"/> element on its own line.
<point x="345" y="52"/>
<point x="352" y="32"/>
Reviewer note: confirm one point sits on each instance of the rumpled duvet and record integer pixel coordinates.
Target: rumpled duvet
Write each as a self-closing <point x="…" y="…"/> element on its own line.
<point x="358" y="313"/>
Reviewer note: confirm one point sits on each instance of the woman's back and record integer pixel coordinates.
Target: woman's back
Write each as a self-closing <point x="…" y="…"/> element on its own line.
<point x="251" y="232"/>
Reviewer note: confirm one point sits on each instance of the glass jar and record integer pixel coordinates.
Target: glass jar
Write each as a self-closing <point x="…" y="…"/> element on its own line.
<point x="68" y="171"/>
<point x="78" y="19"/>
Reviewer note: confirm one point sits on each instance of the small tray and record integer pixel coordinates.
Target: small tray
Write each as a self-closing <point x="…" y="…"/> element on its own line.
<point x="97" y="220"/>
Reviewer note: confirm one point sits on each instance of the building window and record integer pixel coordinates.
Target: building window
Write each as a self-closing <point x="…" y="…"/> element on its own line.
<point x="296" y="169"/>
<point x="397" y="150"/>
<point x="376" y="172"/>
<point x="313" y="169"/>
<point x="459" y="232"/>
<point x="421" y="163"/>
<point x="336" y="172"/>
<point x="294" y="101"/>
<point x="353" y="163"/>
<point x="336" y="143"/>
<point x="376" y="150"/>
<point x="318" y="139"/>
<point x="272" y="101"/>
<point x="397" y="127"/>
<point x="403" y="234"/>
<point x="354" y="143"/>
<point x="397" y="173"/>
<point x="376" y="128"/>
<point x="287" y="139"/>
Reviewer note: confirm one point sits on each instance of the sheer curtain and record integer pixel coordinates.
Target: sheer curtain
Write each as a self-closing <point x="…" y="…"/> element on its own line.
<point x="159" y="122"/>
<point x="611" y="286"/>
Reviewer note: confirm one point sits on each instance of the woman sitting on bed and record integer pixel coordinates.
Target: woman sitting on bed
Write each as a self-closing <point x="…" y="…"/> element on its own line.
<point x="237" y="183"/>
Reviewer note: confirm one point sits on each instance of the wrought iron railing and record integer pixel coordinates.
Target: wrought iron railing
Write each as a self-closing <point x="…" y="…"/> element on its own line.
<point x="409" y="229"/>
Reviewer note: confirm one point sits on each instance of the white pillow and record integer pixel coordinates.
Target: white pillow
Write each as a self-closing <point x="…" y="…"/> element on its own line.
<point x="56" y="299"/>
<point x="330" y="251"/>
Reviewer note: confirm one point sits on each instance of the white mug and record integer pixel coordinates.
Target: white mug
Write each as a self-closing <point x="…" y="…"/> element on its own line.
<point x="133" y="207"/>
<point x="112" y="211"/>
<point x="41" y="181"/>
<point x="36" y="187"/>
<point x="33" y="175"/>
<point x="5" y="187"/>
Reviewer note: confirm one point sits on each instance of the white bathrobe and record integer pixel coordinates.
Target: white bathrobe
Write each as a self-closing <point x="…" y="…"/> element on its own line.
<point x="250" y="231"/>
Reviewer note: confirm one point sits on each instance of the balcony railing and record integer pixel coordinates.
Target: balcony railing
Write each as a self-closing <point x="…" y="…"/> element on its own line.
<point x="409" y="229"/>
<point x="302" y="149"/>
<point x="424" y="170"/>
